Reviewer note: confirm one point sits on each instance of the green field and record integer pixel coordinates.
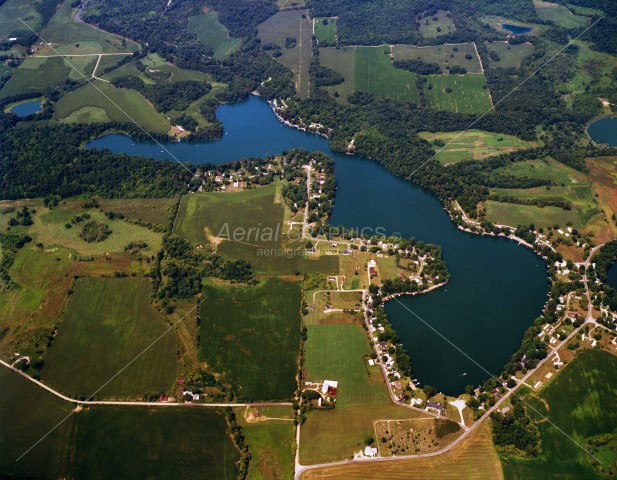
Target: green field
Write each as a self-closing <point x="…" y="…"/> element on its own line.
<point x="513" y="214"/>
<point x="251" y="335"/>
<point x="342" y="60"/>
<point x="432" y="26"/>
<point x="106" y="324"/>
<point x="468" y="93"/>
<point x="581" y="403"/>
<point x="35" y="75"/>
<point x="211" y="215"/>
<point x="581" y="196"/>
<point x="559" y="15"/>
<point x="461" y="55"/>
<point x="108" y="442"/>
<point x="50" y="228"/>
<point x="211" y="33"/>
<point x="592" y="68"/>
<point x="325" y="30"/>
<point x="510" y="56"/>
<point x="33" y="14"/>
<point x="118" y="104"/>
<point x="376" y="74"/>
<point x="294" y="24"/>
<point x="472" y="144"/>
<point x="546" y="169"/>
<point x="336" y="352"/>
<point x="272" y="444"/>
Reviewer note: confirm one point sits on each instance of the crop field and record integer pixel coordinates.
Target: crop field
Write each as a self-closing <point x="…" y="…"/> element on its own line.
<point x="336" y="352"/>
<point x="272" y="442"/>
<point x="118" y="104"/>
<point x="432" y="26"/>
<point x="559" y="15"/>
<point x="108" y="442"/>
<point x="581" y="196"/>
<point x="461" y="55"/>
<point x="376" y="74"/>
<point x="252" y="335"/>
<point x="472" y="144"/>
<point x="333" y="435"/>
<point x="325" y="30"/>
<point x="458" y="93"/>
<point x="342" y="60"/>
<point x="36" y="74"/>
<point x="510" y="56"/>
<point x="296" y="25"/>
<point x="106" y="323"/>
<point x="50" y="228"/>
<point x="28" y="313"/>
<point x="213" y="34"/>
<point x="603" y="174"/>
<point x="214" y="217"/>
<point x="580" y="401"/>
<point x="473" y="459"/>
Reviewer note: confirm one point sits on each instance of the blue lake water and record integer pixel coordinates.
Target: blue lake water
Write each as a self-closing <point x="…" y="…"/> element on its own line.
<point x="27" y="108"/>
<point x="604" y="131"/>
<point x="497" y="288"/>
<point x="516" y="29"/>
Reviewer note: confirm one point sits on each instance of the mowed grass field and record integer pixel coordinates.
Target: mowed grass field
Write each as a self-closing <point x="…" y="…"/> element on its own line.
<point x="461" y="55"/>
<point x="215" y="217"/>
<point x="297" y="25"/>
<point x="559" y="15"/>
<point x="337" y="352"/>
<point x="110" y="104"/>
<point x="108" y="442"/>
<point x="580" y="401"/>
<point x="50" y="228"/>
<point x="513" y="214"/>
<point x="441" y="23"/>
<point x="458" y="93"/>
<point x="510" y="56"/>
<point x="272" y="443"/>
<point x="473" y="459"/>
<point x="472" y="144"/>
<point x="35" y="75"/>
<point x="325" y="30"/>
<point x="106" y="324"/>
<point x="251" y="335"/>
<point x="376" y="74"/>
<point x="213" y="34"/>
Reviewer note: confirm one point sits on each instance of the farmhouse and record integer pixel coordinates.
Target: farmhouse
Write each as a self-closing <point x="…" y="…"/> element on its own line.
<point x="329" y="388"/>
<point x="370" y="452"/>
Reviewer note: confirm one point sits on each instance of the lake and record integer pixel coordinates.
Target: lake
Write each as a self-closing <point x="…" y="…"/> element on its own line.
<point x="497" y="287"/>
<point x="27" y="108"/>
<point x="604" y="131"/>
<point x="516" y="29"/>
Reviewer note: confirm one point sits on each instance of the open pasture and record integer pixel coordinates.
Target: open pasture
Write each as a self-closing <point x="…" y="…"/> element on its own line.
<point x="432" y="26"/>
<point x="292" y="31"/>
<point x="510" y="56"/>
<point x="603" y="174"/>
<point x="325" y="30"/>
<point x="213" y="34"/>
<point x="106" y="324"/>
<point x="545" y="168"/>
<point x="559" y="14"/>
<point x="36" y="74"/>
<point x="458" y="93"/>
<point x="251" y="335"/>
<point x="343" y="61"/>
<point x="460" y="55"/>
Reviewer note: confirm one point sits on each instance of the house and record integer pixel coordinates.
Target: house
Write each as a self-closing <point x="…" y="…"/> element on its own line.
<point x="329" y="388"/>
<point x="370" y="452"/>
<point x="435" y="407"/>
<point x="372" y="264"/>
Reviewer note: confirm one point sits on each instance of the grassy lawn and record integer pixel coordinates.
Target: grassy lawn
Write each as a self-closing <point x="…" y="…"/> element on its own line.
<point x="50" y="229"/>
<point x="580" y="401"/>
<point x="213" y="34"/>
<point x="473" y="459"/>
<point x="252" y="335"/>
<point x="432" y="26"/>
<point x="472" y="144"/>
<point x="29" y="313"/>
<point x="108" y="442"/>
<point x="458" y="93"/>
<point x="509" y="55"/>
<point x="107" y="322"/>
<point x="325" y="30"/>
<point x="272" y="443"/>
<point x="119" y="105"/>
<point x="559" y="15"/>
<point x="462" y="55"/>
<point x="336" y="352"/>
<point x="293" y="24"/>
<point x="342" y="60"/>
<point x="376" y="74"/>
